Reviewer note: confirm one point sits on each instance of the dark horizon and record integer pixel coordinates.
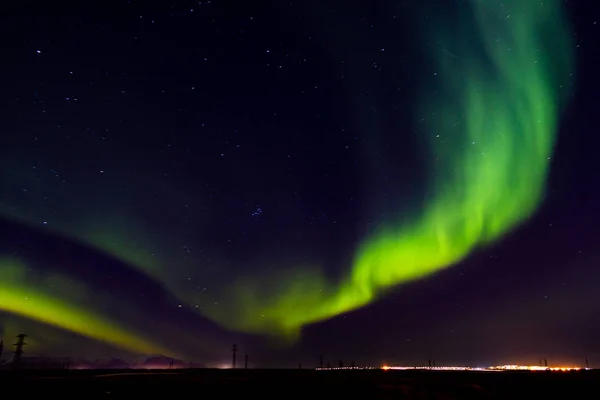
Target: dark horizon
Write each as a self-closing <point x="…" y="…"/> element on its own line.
<point x="161" y="361"/>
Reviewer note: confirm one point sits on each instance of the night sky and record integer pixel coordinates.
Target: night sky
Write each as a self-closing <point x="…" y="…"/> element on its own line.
<point x="374" y="181"/>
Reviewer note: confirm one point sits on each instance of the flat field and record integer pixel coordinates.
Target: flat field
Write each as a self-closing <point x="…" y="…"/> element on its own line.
<point x="297" y="384"/>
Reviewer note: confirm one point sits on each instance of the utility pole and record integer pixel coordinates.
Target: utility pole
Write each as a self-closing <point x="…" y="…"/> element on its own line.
<point x="299" y="365"/>
<point x="19" y="349"/>
<point x="234" y="350"/>
<point x="587" y="363"/>
<point x="246" y="361"/>
<point x="545" y="363"/>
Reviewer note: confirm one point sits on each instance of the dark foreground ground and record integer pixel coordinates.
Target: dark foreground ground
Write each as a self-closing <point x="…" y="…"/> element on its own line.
<point x="298" y="384"/>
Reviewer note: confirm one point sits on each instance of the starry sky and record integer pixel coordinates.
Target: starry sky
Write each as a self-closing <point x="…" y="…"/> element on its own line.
<point x="382" y="181"/>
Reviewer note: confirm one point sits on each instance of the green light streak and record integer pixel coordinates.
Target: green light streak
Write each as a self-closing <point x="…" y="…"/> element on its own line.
<point x="492" y="126"/>
<point x="20" y="297"/>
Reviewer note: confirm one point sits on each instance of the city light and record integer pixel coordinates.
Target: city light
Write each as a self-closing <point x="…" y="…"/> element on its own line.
<point x="462" y="368"/>
<point x="344" y="368"/>
<point x="532" y="368"/>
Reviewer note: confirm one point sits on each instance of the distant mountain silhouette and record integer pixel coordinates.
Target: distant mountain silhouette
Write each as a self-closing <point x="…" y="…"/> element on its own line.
<point x="160" y="362"/>
<point x="44" y="363"/>
<point x="116" y="363"/>
<point x="148" y="361"/>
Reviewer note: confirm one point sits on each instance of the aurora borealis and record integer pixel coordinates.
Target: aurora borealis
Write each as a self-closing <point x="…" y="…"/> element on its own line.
<point x="494" y="128"/>
<point x="50" y="310"/>
<point x="264" y="184"/>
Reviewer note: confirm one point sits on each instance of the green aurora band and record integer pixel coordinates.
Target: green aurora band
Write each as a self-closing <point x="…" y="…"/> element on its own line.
<point x="492" y="125"/>
<point x="17" y="296"/>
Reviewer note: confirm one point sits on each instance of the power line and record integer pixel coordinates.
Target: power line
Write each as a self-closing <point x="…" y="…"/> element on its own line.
<point x="234" y="350"/>
<point x="19" y="349"/>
